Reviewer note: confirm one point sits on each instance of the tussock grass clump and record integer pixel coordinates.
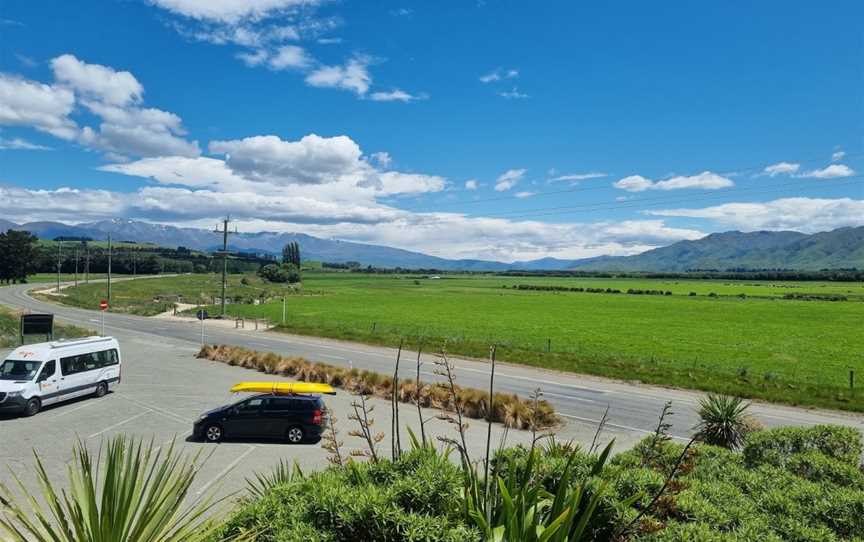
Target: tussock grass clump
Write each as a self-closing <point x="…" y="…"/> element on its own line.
<point x="509" y="409"/>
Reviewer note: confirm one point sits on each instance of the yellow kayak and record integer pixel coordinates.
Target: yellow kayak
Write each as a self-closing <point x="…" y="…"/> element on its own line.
<point x="285" y="388"/>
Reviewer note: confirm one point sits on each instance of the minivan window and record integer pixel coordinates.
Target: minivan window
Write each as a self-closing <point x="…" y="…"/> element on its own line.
<point x="252" y="404"/>
<point x="88" y="362"/>
<point x="48" y="370"/>
<point x="19" y="369"/>
<point x="280" y="404"/>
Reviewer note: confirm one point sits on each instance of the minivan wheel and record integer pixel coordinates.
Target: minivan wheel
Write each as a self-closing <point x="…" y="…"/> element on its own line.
<point x="295" y="435"/>
<point x="213" y="433"/>
<point x="33" y="407"/>
<point x="101" y="389"/>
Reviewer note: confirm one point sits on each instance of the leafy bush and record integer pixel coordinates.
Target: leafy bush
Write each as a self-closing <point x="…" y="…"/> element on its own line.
<point x="415" y="498"/>
<point x="779" y="446"/>
<point x="279" y="273"/>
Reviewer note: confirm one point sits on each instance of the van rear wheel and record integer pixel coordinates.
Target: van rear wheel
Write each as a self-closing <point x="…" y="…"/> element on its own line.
<point x="33" y="407"/>
<point x="101" y="389"/>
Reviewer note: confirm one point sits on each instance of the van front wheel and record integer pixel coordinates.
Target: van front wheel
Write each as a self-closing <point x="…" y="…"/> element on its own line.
<point x="33" y="407"/>
<point x="101" y="389"/>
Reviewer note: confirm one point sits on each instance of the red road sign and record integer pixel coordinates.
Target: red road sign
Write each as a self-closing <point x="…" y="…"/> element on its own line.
<point x="103" y="305"/>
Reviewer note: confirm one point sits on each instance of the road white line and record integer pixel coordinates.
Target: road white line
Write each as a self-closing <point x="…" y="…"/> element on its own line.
<point x="116" y="425"/>
<point x="167" y="413"/>
<point x="89" y="403"/>
<point x="572" y="397"/>
<point x="226" y="470"/>
<point x="625" y="427"/>
<point x="340" y="358"/>
<point x="529" y="379"/>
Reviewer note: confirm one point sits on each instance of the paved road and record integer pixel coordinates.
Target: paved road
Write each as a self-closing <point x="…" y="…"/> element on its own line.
<point x="164" y="389"/>
<point x="581" y="400"/>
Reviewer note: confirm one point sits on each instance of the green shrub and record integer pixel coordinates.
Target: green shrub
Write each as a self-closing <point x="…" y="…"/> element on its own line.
<point x="818" y="467"/>
<point x="778" y="446"/>
<point x="415" y="498"/>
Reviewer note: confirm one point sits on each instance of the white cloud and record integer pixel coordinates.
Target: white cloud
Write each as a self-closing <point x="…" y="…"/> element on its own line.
<point x="577" y="177"/>
<point x="499" y="75"/>
<point x="230" y="11"/>
<point x="43" y="107"/>
<point x="513" y="94"/>
<point x="330" y="41"/>
<point x="394" y="95"/>
<point x="525" y="194"/>
<point x="311" y="160"/>
<point x="802" y="214"/>
<point x="838" y="155"/>
<point x="394" y="182"/>
<point x="200" y="172"/>
<point x="383" y="159"/>
<point x="834" y="171"/>
<point x="471" y="184"/>
<point x="114" y="97"/>
<point x="781" y="168"/>
<point x="96" y="81"/>
<point x="245" y="35"/>
<point x="634" y="183"/>
<point x="509" y="179"/>
<point x="16" y="143"/>
<point x="254" y="58"/>
<point x="290" y="57"/>
<point x="353" y="76"/>
<point x="705" y="181"/>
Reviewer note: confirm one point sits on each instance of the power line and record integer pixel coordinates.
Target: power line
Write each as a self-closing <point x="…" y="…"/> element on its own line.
<point x="548" y="211"/>
<point x="728" y="172"/>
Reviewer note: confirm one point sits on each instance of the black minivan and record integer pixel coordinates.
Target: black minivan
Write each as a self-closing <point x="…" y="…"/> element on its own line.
<point x="294" y="418"/>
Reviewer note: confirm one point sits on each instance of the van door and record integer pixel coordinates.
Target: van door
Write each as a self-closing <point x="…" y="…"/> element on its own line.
<point x="75" y="380"/>
<point x="48" y="382"/>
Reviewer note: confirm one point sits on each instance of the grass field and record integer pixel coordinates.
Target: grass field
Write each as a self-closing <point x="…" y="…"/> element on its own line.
<point x="760" y="346"/>
<point x="64" y="277"/>
<point x="152" y="296"/>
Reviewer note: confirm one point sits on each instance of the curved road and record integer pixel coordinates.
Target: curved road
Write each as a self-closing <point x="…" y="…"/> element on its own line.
<point x="581" y="400"/>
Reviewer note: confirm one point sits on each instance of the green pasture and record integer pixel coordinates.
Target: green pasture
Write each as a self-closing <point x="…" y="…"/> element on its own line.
<point x="760" y="345"/>
<point x="154" y="295"/>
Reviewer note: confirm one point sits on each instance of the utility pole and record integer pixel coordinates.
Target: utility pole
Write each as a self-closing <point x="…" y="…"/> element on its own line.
<point x="76" y="266"/>
<point x="224" y="233"/>
<point x="59" y="262"/>
<point x="86" y="263"/>
<point x="109" y="268"/>
<point x="134" y="263"/>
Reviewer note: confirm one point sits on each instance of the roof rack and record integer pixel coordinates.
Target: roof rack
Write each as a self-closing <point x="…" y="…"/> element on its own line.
<point x="63" y="343"/>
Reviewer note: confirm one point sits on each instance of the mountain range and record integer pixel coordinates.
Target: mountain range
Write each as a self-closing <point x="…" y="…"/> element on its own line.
<point x="838" y="249"/>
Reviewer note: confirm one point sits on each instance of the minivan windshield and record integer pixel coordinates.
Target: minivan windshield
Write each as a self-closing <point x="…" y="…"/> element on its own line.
<point x="19" y="369"/>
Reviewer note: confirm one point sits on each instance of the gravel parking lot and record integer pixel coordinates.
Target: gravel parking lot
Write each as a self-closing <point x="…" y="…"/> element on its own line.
<point x="163" y="391"/>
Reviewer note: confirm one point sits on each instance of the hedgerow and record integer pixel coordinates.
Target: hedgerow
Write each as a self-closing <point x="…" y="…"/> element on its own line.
<point x="508" y="408"/>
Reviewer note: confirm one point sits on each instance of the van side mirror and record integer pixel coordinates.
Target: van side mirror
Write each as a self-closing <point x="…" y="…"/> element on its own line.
<point x="42" y="378"/>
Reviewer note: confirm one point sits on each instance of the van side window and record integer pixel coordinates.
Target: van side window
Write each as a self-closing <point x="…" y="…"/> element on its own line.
<point x="47" y="371"/>
<point x="89" y="362"/>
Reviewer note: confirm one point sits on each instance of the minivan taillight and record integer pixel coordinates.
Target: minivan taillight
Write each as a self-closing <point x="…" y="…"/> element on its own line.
<point x="317" y="418"/>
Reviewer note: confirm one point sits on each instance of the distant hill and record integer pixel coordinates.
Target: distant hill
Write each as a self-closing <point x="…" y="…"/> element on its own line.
<point x="842" y="248"/>
<point x="837" y="249"/>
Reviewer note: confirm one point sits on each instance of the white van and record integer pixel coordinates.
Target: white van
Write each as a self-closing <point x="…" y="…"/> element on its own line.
<point x="38" y="375"/>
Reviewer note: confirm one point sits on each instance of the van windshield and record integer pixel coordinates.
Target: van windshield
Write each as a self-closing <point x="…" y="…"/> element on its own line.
<point x="19" y="369"/>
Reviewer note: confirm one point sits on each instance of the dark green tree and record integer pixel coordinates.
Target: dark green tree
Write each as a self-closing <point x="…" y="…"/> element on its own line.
<point x="17" y="255"/>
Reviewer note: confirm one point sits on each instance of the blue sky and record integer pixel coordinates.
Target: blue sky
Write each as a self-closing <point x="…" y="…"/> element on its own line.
<point x="493" y="129"/>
